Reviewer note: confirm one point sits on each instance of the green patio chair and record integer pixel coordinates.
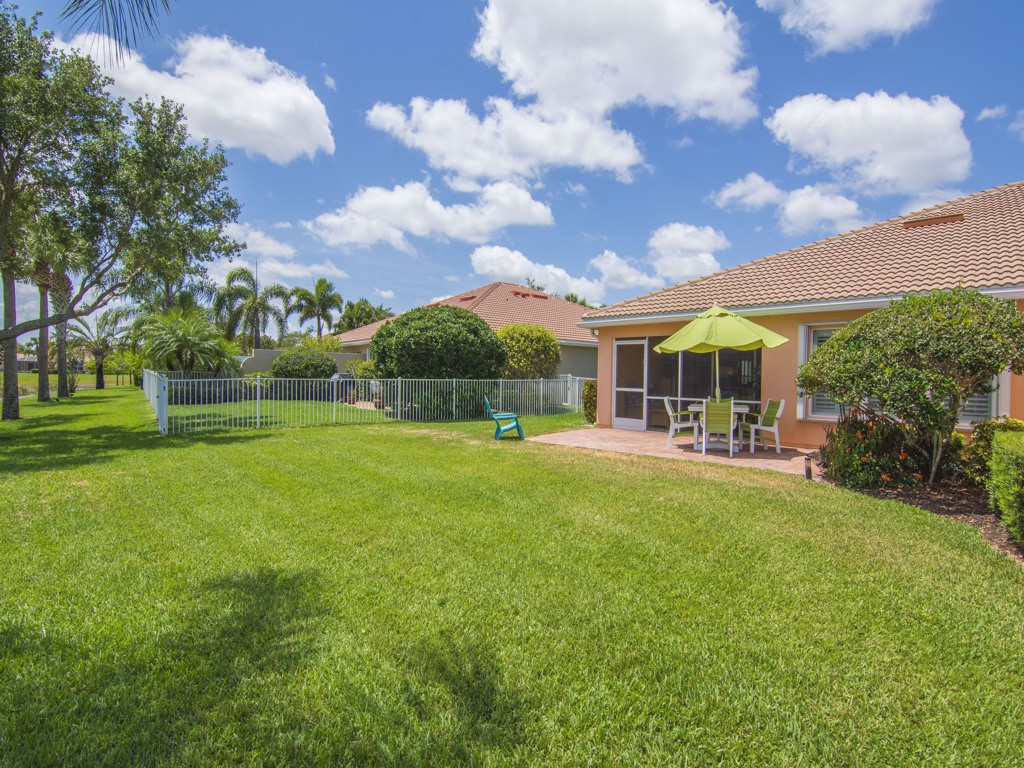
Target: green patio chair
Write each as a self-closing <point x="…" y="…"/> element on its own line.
<point x="680" y="421"/>
<point x="765" y="422"/>
<point x="500" y="417"/>
<point x="718" y="419"/>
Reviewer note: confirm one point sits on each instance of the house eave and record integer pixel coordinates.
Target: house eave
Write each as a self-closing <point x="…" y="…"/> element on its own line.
<point x="794" y="308"/>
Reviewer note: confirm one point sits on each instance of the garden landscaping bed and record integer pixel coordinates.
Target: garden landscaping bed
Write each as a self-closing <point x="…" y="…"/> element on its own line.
<point x="963" y="503"/>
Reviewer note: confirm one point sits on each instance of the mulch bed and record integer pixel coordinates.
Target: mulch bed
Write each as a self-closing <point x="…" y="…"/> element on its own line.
<point x="965" y="504"/>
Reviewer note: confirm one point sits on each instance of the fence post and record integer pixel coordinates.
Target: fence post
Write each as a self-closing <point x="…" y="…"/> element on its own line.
<point x="259" y="388"/>
<point x="334" y="401"/>
<point x="501" y="394"/>
<point x="401" y="405"/>
<point x="161" y="405"/>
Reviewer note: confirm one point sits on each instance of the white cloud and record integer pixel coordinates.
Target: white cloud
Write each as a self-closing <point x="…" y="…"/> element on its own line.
<point x="576" y="189"/>
<point x="384" y="294"/>
<point x="929" y="198"/>
<point x="258" y="242"/>
<point x="841" y="25"/>
<point x="798" y="211"/>
<point x="1017" y="126"/>
<point x="499" y="263"/>
<point x="680" y="251"/>
<point x="811" y="208"/>
<point x="509" y="142"/>
<point x="617" y="272"/>
<point x="231" y="93"/>
<point x="877" y="143"/>
<point x="379" y="215"/>
<point x="451" y="278"/>
<point x="275" y="269"/>
<point x="752" y="193"/>
<point x="682" y="54"/>
<point x="997" y="112"/>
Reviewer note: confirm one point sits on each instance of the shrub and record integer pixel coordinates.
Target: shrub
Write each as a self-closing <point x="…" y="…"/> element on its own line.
<point x="324" y="343"/>
<point x="1006" y="481"/>
<point x="916" y="362"/>
<point x="437" y="342"/>
<point x="303" y="363"/>
<point x="361" y="369"/>
<point x="590" y="401"/>
<point x="978" y="452"/>
<point x="533" y="352"/>
<point x="864" y="451"/>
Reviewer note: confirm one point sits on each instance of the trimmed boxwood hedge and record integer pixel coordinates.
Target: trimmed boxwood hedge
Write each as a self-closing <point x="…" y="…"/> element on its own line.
<point x="303" y="363"/>
<point x="1006" y="480"/>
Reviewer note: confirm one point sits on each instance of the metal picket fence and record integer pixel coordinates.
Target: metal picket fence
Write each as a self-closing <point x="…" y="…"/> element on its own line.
<point x="196" y="403"/>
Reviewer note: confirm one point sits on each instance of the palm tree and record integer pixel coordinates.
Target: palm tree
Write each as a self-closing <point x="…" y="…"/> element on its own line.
<point x="101" y="340"/>
<point x="360" y="313"/>
<point x="186" y="340"/>
<point x="60" y="292"/>
<point x="121" y="20"/>
<point x="318" y="304"/>
<point x="42" y="276"/>
<point x="244" y="307"/>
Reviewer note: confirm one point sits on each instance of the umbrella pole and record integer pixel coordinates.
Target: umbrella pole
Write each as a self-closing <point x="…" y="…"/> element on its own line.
<point x="718" y="388"/>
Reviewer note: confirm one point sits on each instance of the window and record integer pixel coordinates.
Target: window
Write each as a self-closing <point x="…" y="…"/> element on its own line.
<point x="820" y="405"/>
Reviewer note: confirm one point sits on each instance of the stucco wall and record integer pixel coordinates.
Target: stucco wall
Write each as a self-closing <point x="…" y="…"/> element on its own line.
<point x="778" y="370"/>
<point x="260" y="359"/>
<point x="578" y="361"/>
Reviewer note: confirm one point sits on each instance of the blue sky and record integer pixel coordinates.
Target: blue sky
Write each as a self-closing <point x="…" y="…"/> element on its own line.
<point x="409" y="151"/>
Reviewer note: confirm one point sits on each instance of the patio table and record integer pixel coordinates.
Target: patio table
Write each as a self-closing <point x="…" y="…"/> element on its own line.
<point x="737" y="408"/>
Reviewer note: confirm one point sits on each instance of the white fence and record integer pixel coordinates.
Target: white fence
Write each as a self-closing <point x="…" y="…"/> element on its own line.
<point x="190" y="404"/>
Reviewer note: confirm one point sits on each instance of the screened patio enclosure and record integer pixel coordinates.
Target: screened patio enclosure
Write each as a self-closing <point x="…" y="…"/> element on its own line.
<point x="643" y="378"/>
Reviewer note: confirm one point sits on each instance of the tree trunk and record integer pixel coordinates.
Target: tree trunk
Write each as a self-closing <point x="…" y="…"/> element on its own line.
<point x="63" y="390"/>
<point x="99" y="371"/>
<point x="43" y="350"/>
<point x="936" y="457"/>
<point x="10" y="406"/>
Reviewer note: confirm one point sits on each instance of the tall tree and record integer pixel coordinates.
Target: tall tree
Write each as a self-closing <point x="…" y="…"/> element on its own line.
<point x="60" y="293"/>
<point x="246" y="308"/>
<point x="50" y="103"/>
<point x="360" y="313"/>
<point x="101" y="340"/>
<point x="318" y="304"/>
<point x="42" y="276"/>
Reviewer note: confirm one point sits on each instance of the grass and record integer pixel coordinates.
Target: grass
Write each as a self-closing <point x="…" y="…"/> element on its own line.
<point x="28" y="383"/>
<point x="424" y="595"/>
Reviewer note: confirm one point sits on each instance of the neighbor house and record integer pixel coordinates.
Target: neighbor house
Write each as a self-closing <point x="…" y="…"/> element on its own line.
<point x="806" y="294"/>
<point x="500" y="304"/>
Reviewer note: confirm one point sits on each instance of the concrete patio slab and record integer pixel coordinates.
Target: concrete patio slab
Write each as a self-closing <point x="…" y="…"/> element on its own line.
<point x="790" y="461"/>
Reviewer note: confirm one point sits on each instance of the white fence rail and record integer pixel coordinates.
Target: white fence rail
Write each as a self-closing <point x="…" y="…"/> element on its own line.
<point x="187" y="405"/>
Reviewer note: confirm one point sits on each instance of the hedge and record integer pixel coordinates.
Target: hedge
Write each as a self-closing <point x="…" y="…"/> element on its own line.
<point x="590" y="401"/>
<point x="1006" y="481"/>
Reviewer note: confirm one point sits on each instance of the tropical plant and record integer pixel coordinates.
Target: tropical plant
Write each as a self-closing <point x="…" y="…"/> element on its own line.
<point x="186" y="340"/>
<point x="916" y="362"/>
<point x="437" y="342"/>
<point x="575" y="298"/>
<point x="244" y="307"/>
<point x="120" y="20"/>
<point x="318" y="304"/>
<point x="60" y="293"/>
<point x="99" y="340"/>
<point x="533" y="351"/>
<point x="360" y="313"/>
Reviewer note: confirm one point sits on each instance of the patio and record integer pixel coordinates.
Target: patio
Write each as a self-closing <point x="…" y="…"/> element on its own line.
<point x="790" y="461"/>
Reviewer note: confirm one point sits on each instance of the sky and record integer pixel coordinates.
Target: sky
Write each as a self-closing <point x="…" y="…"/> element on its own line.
<point x="408" y="151"/>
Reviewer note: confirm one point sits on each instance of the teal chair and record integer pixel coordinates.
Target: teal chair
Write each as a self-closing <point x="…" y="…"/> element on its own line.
<point x="768" y="421"/>
<point x="500" y="417"/>
<point x="719" y="419"/>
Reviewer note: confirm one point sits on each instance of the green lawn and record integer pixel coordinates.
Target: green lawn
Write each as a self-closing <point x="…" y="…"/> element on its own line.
<point x="28" y="383"/>
<point x="402" y="594"/>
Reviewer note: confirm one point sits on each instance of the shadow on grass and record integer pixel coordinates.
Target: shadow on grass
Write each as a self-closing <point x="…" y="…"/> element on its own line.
<point x="63" y="435"/>
<point x="206" y="692"/>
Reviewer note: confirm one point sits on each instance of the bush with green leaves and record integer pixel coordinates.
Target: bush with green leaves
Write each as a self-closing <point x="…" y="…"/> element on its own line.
<point x="533" y="352"/>
<point x="303" y="362"/>
<point x="1006" y="481"/>
<point x="437" y="342"/>
<point x="186" y="340"/>
<point x="864" y="451"/>
<point x="590" y="401"/>
<point x="978" y="451"/>
<point x="361" y="369"/>
<point x="916" y="362"/>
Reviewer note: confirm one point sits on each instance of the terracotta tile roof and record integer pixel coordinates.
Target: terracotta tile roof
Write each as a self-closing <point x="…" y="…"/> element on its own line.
<point x="501" y="304"/>
<point x="975" y="241"/>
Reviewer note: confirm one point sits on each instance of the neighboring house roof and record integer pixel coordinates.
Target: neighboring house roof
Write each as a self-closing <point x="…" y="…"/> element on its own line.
<point x="975" y="241"/>
<point x="501" y="304"/>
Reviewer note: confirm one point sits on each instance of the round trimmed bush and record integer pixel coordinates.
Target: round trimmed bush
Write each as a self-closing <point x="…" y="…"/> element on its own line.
<point x="303" y="363"/>
<point x="533" y="352"/>
<point x="437" y="342"/>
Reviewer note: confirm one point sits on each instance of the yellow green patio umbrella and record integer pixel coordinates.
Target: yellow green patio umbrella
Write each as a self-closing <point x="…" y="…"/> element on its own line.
<point x="716" y="329"/>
